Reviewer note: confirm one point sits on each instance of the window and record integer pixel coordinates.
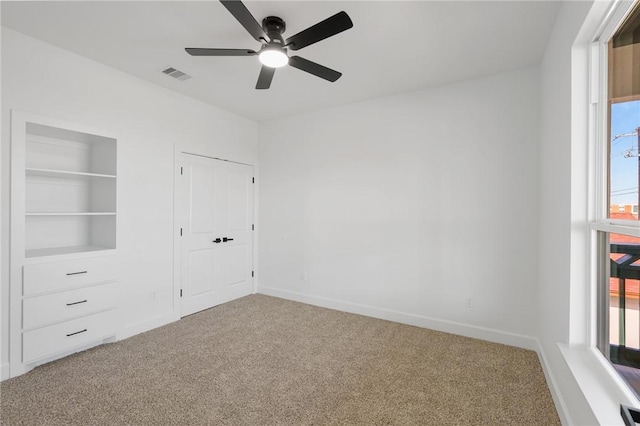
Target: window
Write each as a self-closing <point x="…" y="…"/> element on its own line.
<point x="617" y="224"/>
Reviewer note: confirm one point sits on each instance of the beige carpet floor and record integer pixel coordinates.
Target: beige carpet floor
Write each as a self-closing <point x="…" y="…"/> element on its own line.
<point x="261" y="360"/>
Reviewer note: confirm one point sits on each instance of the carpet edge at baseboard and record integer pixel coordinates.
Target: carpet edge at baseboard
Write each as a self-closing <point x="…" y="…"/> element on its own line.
<point x="452" y="327"/>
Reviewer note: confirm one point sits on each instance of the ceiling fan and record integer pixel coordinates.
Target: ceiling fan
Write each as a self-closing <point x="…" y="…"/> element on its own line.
<point x="273" y="53"/>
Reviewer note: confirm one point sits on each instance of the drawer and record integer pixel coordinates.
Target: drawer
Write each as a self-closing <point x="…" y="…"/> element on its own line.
<point x="48" y="341"/>
<point x="58" y="307"/>
<point x="48" y="277"/>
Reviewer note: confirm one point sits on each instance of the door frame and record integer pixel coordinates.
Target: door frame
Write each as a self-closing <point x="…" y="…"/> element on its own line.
<point x="178" y="223"/>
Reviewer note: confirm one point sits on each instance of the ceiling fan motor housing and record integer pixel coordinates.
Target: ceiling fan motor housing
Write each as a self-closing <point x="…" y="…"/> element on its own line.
<point x="274" y="27"/>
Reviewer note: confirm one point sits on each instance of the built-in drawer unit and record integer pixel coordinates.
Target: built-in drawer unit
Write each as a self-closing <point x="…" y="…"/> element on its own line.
<point x="43" y="310"/>
<point x="40" y="278"/>
<point x="48" y="341"/>
<point x="67" y="304"/>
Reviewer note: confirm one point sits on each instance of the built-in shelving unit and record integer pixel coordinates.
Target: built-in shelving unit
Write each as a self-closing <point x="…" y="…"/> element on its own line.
<point x="70" y="191"/>
<point x="64" y="280"/>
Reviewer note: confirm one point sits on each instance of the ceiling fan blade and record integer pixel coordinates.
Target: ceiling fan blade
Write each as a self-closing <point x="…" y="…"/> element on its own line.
<point x="196" y="51"/>
<point x="315" y="69"/>
<point x="242" y="14"/>
<point x="265" y="77"/>
<point x="327" y="28"/>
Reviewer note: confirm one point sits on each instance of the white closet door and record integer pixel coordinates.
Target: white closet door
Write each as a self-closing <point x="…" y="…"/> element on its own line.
<point x="216" y="243"/>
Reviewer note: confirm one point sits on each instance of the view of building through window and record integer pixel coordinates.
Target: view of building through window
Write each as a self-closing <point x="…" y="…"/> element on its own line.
<point x="624" y="160"/>
<point x="623" y="198"/>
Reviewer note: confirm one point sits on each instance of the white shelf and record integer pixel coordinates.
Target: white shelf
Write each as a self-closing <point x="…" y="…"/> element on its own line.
<point x="70" y="187"/>
<point x="63" y="250"/>
<point x="71" y="214"/>
<point x="66" y="174"/>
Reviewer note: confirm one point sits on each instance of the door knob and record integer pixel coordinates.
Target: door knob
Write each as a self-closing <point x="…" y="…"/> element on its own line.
<point x="225" y="239"/>
<point x="217" y="240"/>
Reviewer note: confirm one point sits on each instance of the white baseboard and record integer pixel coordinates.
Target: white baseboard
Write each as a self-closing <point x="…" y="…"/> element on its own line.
<point x="133" y="329"/>
<point x="4" y="371"/>
<point x="482" y="333"/>
<point x="552" y="383"/>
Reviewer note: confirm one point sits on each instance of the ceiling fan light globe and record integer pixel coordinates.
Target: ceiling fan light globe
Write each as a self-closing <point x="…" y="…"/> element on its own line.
<point x="273" y="58"/>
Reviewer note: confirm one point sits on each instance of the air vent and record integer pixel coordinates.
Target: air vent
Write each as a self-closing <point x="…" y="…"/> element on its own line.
<point x="177" y="74"/>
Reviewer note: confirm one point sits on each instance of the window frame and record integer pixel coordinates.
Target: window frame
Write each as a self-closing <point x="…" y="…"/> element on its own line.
<point x="599" y="120"/>
<point x="600" y="224"/>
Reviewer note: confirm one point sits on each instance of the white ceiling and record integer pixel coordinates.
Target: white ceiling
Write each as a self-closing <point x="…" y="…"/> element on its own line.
<point x="393" y="47"/>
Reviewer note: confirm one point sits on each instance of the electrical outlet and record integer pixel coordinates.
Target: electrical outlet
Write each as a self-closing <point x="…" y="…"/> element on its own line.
<point x="305" y="277"/>
<point x="152" y="295"/>
<point x="469" y="302"/>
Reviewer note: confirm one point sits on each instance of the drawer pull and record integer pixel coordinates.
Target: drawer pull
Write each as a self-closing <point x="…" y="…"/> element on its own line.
<point x="77" y="332"/>
<point x="76" y="273"/>
<point x="77" y="303"/>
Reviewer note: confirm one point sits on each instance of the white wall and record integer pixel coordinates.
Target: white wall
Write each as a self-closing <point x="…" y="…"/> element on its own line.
<point x="403" y="207"/>
<point x="148" y="120"/>
<point x="556" y="204"/>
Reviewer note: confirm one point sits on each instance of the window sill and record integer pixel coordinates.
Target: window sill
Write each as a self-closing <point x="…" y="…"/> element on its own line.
<point x="603" y="389"/>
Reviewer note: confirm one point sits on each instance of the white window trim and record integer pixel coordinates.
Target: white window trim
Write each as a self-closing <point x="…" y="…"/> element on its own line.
<point x="599" y="153"/>
<point x="598" y="126"/>
<point x="625" y="227"/>
<point x="598" y="142"/>
<point x="603" y="389"/>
